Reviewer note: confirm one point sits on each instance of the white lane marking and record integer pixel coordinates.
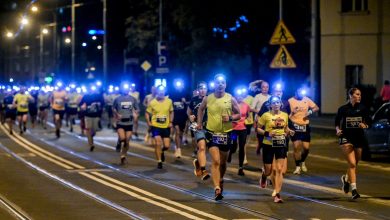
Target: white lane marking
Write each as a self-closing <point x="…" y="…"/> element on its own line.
<point x="199" y="212"/>
<point x="37" y="152"/>
<point x="135" y="195"/>
<point x="13" y="209"/>
<point x="73" y="186"/>
<point x="142" y="191"/>
<point x="43" y="151"/>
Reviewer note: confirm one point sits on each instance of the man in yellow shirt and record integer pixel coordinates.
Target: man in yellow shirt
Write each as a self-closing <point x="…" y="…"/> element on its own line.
<point x="21" y="102"/>
<point x="159" y="116"/>
<point x="222" y="109"/>
<point x="58" y="99"/>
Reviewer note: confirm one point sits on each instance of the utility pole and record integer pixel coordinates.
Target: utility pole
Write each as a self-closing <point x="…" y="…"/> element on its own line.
<point x="315" y="51"/>
<point x="105" y="42"/>
<point x="73" y="38"/>
<point x="280" y="19"/>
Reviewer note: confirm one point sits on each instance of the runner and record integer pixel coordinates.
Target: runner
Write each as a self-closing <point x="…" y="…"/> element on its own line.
<point x="125" y="109"/>
<point x="249" y="121"/>
<point x="92" y="103"/>
<point x="301" y="108"/>
<point x="159" y="116"/>
<point x="351" y="120"/>
<point x="134" y="93"/>
<point x="222" y="109"/>
<point x="257" y="103"/>
<point x="10" y="110"/>
<point x="43" y="106"/>
<point x="58" y="99"/>
<point x="198" y="136"/>
<point x="275" y="130"/>
<point x="148" y="98"/>
<point x="109" y="100"/>
<point x="71" y="108"/>
<point x="180" y="112"/>
<point x="33" y="107"/>
<point x="239" y="134"/>
<point x="21" y="100"/>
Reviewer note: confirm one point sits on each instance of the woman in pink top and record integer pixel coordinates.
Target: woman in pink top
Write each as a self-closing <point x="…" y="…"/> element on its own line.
<point x="239" y="130"/>
<point x="385" y="91"/>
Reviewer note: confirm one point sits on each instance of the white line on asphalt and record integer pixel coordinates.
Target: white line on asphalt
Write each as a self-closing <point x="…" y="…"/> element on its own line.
<point x="157" y="196"/>
<point x="13" y="209"/>
<point x="17" y="137"/>
<point x="129" y="186"/>
<point x="73" y="186"/>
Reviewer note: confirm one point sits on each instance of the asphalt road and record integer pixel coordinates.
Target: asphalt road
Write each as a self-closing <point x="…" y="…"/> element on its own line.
<point x="42" y="177"/>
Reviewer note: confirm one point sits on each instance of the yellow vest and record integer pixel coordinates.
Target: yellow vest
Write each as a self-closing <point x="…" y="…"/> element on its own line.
<point x="216" y="107"/>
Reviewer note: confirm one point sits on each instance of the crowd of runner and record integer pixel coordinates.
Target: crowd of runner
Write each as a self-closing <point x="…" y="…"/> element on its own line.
<point x="220" y="124"/>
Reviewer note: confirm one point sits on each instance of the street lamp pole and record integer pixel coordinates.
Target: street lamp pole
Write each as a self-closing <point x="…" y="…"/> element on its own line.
<point x="73" y="38"/>
<point x="105" y="42"/>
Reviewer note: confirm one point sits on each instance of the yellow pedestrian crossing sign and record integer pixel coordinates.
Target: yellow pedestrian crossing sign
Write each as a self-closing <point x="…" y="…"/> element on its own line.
<point x="146" y="65"/>
<point x="281" y="35"/>
<point x="282" y="59"/>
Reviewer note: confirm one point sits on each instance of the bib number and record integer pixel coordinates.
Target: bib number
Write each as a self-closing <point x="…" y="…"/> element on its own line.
<point x="221" y="139"/>
<point x="178" y="105"/>
<point x="353" y="122"/>
<point x="299" y="128"/>
<point x="278" y="141"/>
<point x="59" y="102"/>
<point x="161" y="119"/>
<point x="126" y="105"/>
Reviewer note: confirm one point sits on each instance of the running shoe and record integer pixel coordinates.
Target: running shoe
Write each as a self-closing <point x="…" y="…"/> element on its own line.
<point x="159" y="165"/>
<point x="345" y="186"/>
<point x="178" y="153"/>
<point x="205" y="175"/>
<point x="263" y="180"/>
<point x="91" y="148"/>
<point x="194" y="154"/>
<point x="297" y="171"/>
<point x="118" y="146"/>
<point x="241" y="171"/>
<point x="123" y="160"/>
<point x="277" y="198"/>
<point x="355" y="194"/>
<point x="218" y="194"/>
<point x="197" y="170"/>
<point x="303" y="167"/>
<point x="162" y="156"/>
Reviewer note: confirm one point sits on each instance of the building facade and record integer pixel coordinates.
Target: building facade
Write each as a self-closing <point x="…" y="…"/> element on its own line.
<point x="355" y="47"/>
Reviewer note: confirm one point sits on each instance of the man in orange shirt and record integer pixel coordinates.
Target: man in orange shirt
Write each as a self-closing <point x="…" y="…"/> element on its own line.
<point x="301" y="108"/>
<point x="58" y="99"/>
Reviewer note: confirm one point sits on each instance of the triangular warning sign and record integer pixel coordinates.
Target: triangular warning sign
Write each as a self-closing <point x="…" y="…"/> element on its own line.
<point x="281" y="35"/>
<point x="283" y="59"/>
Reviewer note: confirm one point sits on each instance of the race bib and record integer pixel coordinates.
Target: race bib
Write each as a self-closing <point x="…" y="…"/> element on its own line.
<point x="161" y="119"/>
<point x="126" y="105"/>
<point x="23" y="105"/>
<point x="178" y="105"/>
<point x="59" y="102"/>
<point x="10" y="106"/>
<point x="299" y="128"/>
<point x="278" y="141"/>
<point x="221" y="139"/>
<point x="94" y="107"/>
<point x="353" y="122"/>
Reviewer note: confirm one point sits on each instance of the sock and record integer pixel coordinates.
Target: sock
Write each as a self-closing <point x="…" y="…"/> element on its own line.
<point x="353" y="186"/>
<point x="346" y="177"/>
<point x="202" y="168"/>
<point x="304" y="155"/>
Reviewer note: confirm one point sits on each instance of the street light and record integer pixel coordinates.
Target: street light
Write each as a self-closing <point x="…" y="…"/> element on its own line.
<point x="24" y="21"/>
<point x="99" y="47"/>
<point x="68" y="40"/>
<point x="34" y="9"/>
<point x="9" y="34"/>
<point x="45" y="31"/>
